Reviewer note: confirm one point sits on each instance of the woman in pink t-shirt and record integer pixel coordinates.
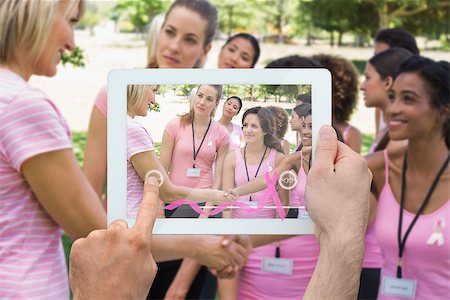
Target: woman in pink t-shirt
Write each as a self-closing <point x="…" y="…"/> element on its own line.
<point x="192" y="143"/>
<point x="42" y="187"/>
<point x="411" y="185"/>
<point x="231" y="108"/>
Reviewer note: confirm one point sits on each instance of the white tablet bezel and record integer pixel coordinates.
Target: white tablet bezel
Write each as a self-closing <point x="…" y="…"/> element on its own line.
<point x="118" y="80"/>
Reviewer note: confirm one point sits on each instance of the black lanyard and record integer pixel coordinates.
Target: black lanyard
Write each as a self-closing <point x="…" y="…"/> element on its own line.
<point x="402" y="243"/>
<point x="278" y="251"/>
<point x="193" y="141"/>
<point x="259" y="166"/>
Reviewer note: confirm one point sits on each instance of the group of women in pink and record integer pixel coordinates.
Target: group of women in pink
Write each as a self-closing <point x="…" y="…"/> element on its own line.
<point x="43" y="190"/>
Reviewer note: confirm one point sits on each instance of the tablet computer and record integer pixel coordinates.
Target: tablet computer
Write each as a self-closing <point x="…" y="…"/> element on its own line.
<point x="256" y="87"/>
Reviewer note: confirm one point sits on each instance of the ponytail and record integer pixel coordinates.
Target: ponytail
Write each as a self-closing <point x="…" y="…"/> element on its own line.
<point x="271" y="142"/>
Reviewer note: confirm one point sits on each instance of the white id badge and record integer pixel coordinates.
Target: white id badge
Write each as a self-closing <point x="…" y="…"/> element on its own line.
<point x="252" y="204"/>
<point x="277" y="265"/>
<point x="399" y="287"/>
<point x="193" y="172"/>
<point x="303" y="214"/>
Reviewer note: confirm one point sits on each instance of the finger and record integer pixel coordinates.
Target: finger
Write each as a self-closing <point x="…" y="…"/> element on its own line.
<point x="149" y="206"/>
<point x="326" y="149"/>
<point x="227" y="239"/>
<point x="118" y="224"/>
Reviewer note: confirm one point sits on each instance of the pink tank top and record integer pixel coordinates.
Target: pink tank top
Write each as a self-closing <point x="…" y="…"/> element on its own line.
<point x="372" y="252"/>
<point x="428" y="264"/>
<point x="298" y="192"/>
<point x="302" y="250"/>
<point x="240" y="177"/>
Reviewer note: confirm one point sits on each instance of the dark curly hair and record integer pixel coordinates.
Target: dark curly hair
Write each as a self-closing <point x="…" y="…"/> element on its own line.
<point x="281" y="120"/>
<point x="344" y="86"/>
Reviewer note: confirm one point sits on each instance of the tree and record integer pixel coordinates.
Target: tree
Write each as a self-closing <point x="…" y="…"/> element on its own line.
<point x="139" y="13"/>
<point x="393" y="10"/>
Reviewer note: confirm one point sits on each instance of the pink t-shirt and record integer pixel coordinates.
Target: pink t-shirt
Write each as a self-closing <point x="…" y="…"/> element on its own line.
<point x="183" y="156"/>
<point x="428" y="264"/>
<point x="138" y="141"/>
<point x="235" y="137"/>
<point x="32" y="263"/>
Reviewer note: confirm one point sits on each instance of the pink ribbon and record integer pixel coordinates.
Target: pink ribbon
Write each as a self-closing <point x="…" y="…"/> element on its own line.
<point x="270" y="191"/>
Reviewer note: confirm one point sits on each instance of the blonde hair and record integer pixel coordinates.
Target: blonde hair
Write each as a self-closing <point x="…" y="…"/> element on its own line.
<point x="136" y="94"/>
<point x="26" y="25"/>
<point x="152" y="40"/>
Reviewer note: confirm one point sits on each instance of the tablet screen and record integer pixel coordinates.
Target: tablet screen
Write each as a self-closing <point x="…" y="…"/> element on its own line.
<point x="241" y="148"/>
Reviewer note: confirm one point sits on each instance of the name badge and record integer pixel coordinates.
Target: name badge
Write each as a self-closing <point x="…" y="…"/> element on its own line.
<point x="193" y="172"/>
<point x="277" y="265"/>
<point x="399" y="287"/>
<point x="303" y="214"/>
<point x="252" y="204"/>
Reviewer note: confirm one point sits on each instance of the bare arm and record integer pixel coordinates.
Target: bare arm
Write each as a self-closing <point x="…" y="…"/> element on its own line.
<point x="286" y="147"/>
<point x="64" y="192"/>
<point x="165" y="155"/>
<point x="354" y="139"/>
<point x="228" y="287"/>
<point x="259" y="183"/>
<point x="94" y="164"/>
<point x="146" y="161"/>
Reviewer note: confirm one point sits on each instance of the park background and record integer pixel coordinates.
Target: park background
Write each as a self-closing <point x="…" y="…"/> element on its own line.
<point x="112" y="35"/>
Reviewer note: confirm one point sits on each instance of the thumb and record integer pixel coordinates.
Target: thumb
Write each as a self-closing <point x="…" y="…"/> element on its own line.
<point x="326" y="149"/>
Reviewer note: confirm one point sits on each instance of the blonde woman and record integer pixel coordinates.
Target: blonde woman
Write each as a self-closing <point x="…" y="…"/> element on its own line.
<point x="42" y="187"/>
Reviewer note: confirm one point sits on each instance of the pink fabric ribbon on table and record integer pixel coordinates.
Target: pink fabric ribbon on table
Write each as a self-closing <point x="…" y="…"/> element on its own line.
<point x="270" y="192"/>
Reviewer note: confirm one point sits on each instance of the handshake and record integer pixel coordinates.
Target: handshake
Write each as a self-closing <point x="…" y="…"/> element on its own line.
<point x="122" y="256"/>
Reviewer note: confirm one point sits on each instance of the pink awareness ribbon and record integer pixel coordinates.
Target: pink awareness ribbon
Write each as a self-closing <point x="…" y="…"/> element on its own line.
<point x="270" y="191"/>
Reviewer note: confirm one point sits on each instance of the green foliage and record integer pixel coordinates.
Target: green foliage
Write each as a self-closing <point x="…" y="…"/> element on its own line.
<point x="366" y="143"/>
<point x="75" y="57"/>
<point x="139" y="13"/>
<point x="79" y="144"/>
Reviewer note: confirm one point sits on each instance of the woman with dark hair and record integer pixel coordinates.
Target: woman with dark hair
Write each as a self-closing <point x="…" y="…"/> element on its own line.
<point x="379" y="76"/>
<point x="253" y="283"/>
<point x="345" y="96"/>
<point x="395" y="37"/>
<point x="231" y="107"/>
<point x="260" y="155"/>
<point x="413" y="209"/>
<point x="239" y="51"/>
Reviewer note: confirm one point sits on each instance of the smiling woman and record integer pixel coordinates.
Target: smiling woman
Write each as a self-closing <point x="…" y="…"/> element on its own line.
<point x="43" y="188"/>
<point x="239" y="51"/>
<point x="411" y="186"/>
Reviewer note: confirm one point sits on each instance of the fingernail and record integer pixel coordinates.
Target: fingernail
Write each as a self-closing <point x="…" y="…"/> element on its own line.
<point x="326" y="132"/>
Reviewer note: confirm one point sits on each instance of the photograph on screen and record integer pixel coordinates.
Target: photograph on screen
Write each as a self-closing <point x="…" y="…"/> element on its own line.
<point x="225" y="151"/>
